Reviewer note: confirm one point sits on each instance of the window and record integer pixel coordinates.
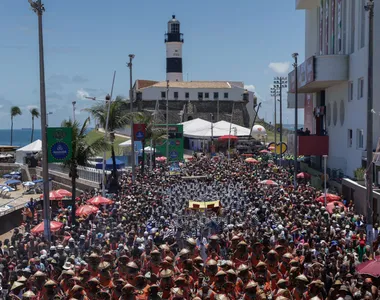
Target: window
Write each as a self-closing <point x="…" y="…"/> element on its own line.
<point x="352" y="38"/>
<point x="360" y="138"/>
<point x="362" y="23"/>
<point x="349" y="138"/>
<point x="225" y="95"/>
<point x="216" y="95"/>
<point x="200" y="95"/>
<point x="187" y="95"/>
<point x="175" y="95"/>
<point x="163" y="94"/>
<point x="350" y="91"/>
<point x="360" y="88"/>
<point x="207" y="95"/>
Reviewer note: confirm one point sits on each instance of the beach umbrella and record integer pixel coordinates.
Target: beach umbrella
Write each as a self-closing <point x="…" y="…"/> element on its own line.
<point x="227" y="137"/>
<point x="86" y="210"/>
<point x="64" y="193"/>
<point x="12" y="182"/>
<point x="54" y="226"/>
<point x="15" y="173"/>
<point x="161" y="158"/>
<point x="251" y="160"/>
<point x="370" y="267"/>
<point x="7" y="188"/>
<point x="329" y="198"/>
<point x="268" y="182"/>
<point x="303" y="175"/>
<point x="99" y="200"/>
<point x="53" y="195"/>
<point x="6" y="176"/>
<point x="332" y="205"/>
<point x="264" y="151"/>
<point x="28" y="183"/>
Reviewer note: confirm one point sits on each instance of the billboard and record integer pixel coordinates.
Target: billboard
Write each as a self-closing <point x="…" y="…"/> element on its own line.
<point x="59" y="142"/>
<point x="139" y="132"/>
<point x="308" y="113"/>
<point x="305" y="74"/>
<point x="175" y="141"/>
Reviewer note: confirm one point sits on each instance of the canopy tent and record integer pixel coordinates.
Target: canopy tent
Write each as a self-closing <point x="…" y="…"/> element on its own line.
<point x="109" y="164"/>
<point x="32" y="148"/>
<point x="126" y="144"/>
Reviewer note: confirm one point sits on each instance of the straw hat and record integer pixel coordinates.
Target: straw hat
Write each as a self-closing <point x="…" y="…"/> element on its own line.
<point x="29" y="294"/>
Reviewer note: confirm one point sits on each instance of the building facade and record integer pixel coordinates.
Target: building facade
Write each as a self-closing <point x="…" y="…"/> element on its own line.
<point x="332" y="82"/>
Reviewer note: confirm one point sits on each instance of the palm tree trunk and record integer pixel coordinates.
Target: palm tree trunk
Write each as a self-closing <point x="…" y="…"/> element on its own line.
<point x="11" y="131"/>
<point x="143" y="157"/>
<point x="31" y="138"/>
<point x="114" y="168"/>
<point x="73" y="192"/>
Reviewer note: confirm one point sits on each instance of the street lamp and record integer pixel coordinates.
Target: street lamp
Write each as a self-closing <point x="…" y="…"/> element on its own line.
<point x="39" y="9"/>
<point x="130" y="66"/>
<point x="279" y="83"/>
<point x="295" y="65"/>
<point x="274" y="93"/>
<point x="74" y="103"/>
<point x="47" y="118"/>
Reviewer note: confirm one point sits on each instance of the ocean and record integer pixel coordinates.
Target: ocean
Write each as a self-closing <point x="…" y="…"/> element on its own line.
<point x="21" y="137"/>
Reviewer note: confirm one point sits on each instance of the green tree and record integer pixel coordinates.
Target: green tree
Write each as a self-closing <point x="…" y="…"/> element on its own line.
<point x="15" y="111"/>
<point x="119" y="117"/>
<point x="152" y="133"/>
<point x="35" y="114"/>
<point x="82" y="150"/>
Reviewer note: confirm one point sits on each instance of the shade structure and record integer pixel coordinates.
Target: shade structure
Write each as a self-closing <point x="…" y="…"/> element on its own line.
<point x="268" y="182"/>
<point x="54" y="226"/>
<point x="99" y="200"/>
<point x="28" y="183"/>
<point x="6" y="188"/>
<point x="109" y="164"/>
<point x="330" y="206"/>
<point x="329" y="198"/>
<point x="64" y="193"/>
<point x="225" y="138"/>
<point x="303" y="175"/>
<point x="370" y="268"/>
<point x="86" y="210"/>
<point x="53" y="195"/>
<point x="251" y="160"/>
<point x="12" y="182"/>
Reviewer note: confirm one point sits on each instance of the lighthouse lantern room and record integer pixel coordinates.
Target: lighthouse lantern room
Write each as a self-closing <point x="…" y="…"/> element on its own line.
<point x="174" y="41"/>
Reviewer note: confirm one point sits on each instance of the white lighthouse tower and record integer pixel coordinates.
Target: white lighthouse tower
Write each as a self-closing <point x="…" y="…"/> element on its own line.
<point x="174" y="41"/>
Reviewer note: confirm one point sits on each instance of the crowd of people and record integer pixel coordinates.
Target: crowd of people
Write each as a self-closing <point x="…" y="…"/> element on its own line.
<point x="265" y="241"/>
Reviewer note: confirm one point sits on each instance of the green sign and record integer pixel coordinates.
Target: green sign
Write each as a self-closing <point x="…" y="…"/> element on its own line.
<point x="59" y="141"/>
<point x="175" y="143"/>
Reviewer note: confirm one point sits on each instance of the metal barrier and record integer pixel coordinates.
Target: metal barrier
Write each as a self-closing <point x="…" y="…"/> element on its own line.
<point x="85" y="173"/>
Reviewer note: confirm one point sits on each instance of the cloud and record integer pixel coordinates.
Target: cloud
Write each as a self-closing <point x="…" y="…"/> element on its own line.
<point x="280" y="67"/>
<point x="250" y="87"/>
<point x="79" y="79"/>
<point x="81" y="93"/>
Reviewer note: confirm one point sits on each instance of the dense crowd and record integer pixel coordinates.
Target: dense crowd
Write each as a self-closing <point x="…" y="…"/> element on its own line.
<point x="263" y="242"/>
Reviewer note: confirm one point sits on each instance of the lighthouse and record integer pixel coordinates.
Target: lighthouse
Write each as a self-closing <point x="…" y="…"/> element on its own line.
<point x="174" y="41"/>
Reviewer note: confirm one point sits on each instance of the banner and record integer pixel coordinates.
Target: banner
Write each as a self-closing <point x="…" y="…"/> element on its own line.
<point x="309" y="113"/>
<point x="340" y="45"/>
<point x="332" y="26"/>
<point x="59" y="143"/>
<point x="175" y="169"/>
<point x="139" y="132"/>
<point x="321" y="29"/>
<point x="278" y="128"/>
<point x="327" y="28"/>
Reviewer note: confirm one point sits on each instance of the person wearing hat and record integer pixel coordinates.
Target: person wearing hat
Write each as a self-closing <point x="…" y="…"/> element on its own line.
<point x="51" y="291"/>
<point x="132" y="271"/>
<point x="141" y="287"/>
<point x="284" y="266"/>
<point x="64" y="283"/>
<point x="218" y="285"/>
<point x="166" y="282"/>
<point x="39" y="282"/>
<point x="241" y="254"/>
<point x="122" y="268"/>
<point x="128" y="292"/>
<point x="105" y="278"/>
<point x="153" y="292"/>
<point x="257" y="254"/>
<point x="77" y="292"/>
<point x="211" y="270"/>
<point x="191" y="245"/>
<point x="213" y="247"/>
<point x="17" y="290"/>
<point x="315" y="289"/>
<point x="93" y="287"/>
<point x="93" y="264"/>
<point x="205" y="292"/>
<point x="153" y="264"/>
<point x="117" y="290"/>
<point x="272" y="263"/>
<point x="28" y="295"/>
<point x="301" y="287"/>
<point x="334" y="291"/>
<point x="244" y="276"/>
<point x="183" y="255"/>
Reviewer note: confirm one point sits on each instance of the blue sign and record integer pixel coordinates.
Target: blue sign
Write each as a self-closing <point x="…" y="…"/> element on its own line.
<point x="140" y="135"/>
<point x="60" y="150"/>
<point x="173" y="154"/>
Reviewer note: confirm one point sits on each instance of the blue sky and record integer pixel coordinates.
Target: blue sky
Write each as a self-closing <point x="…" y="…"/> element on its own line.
<point x="85" y="41"/>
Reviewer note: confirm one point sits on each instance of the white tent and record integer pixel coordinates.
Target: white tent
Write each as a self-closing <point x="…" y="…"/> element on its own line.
<point x="30" y="149"/>
<point x="126" y="144"/>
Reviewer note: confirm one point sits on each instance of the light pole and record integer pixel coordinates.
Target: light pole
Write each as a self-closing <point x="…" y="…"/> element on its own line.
<point x="167" y="120"/>
<point x="279" y="83"/>
<point x="369" y="174"/>
<point x="295" y="65"/>
<point x="47" y="118"/>
<point x="229" y="134"/>
<point x="274" y="93"/>
<point x="133" y="163"/>
<point x="325" y="177"/>
<point x="74" y="103"/>
<point x="212" y="133"/>
<point x="39" y="9"/>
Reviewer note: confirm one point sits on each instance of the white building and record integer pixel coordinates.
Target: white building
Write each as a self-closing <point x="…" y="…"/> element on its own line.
<point x="333" y="79"/>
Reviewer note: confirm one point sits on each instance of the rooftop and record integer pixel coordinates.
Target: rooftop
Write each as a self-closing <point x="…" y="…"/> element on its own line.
<point x="192" y="84"/>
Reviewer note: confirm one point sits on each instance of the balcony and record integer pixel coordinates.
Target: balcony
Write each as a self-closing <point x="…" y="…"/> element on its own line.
<point x="318" y="73"/>
<point x="306" y="4"/>
<point x="313" y="145"/>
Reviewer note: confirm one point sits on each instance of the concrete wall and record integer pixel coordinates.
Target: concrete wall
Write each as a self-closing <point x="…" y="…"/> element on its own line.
<point x="11" y="220"/>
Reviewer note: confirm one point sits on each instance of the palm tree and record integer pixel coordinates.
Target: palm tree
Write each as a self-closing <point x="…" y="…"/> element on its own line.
<point x="35" y="114"/>
<point x="82" y="150"/>
<point x="152" y="134"/>
<point x="15" y="111"/>
<point x="119" y="117"/>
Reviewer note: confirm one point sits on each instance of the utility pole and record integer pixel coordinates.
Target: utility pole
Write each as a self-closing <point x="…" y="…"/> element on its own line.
<point x="369" y="173"/>
<point x="229" y="133"/>
<point x="39" y="9"/>
<point x="295" y="65"/>
<point x="279" y="83"/>
<point x="274" y="94"/>
<point x="74" y="103"/>
<point x="133" y="156"/>
<point x="167" y="120"/>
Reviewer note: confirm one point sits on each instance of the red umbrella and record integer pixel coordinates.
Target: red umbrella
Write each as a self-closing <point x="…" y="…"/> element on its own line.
<point x="251" y="160"/>
<point x="268" y="182"/>
<point x="265" y="151"/>
<point x="303" y="175"/>
<point x="329" y="198"/>
<point x="53" y="195"/>
<point x="332" y="205"/>
<point x="161" y="158"/>
<point x="99" y="200"/>
<point x="54" y="226"/>
<point x="370" y="268"/>
<point x="227" y="137"/>
<point x="86" y="210"/>
<point x="64" y="193"/>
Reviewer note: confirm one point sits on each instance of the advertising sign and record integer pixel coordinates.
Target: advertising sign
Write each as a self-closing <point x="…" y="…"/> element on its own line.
<point x="139" y="131"/>
<point x="175" y="169"/>
<point x="305" y="75"/>
<point x="321" y="29"/>
<point x="308" y="113"/>
<point x="175" y="141"/>
<point x="59" y="140"/>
